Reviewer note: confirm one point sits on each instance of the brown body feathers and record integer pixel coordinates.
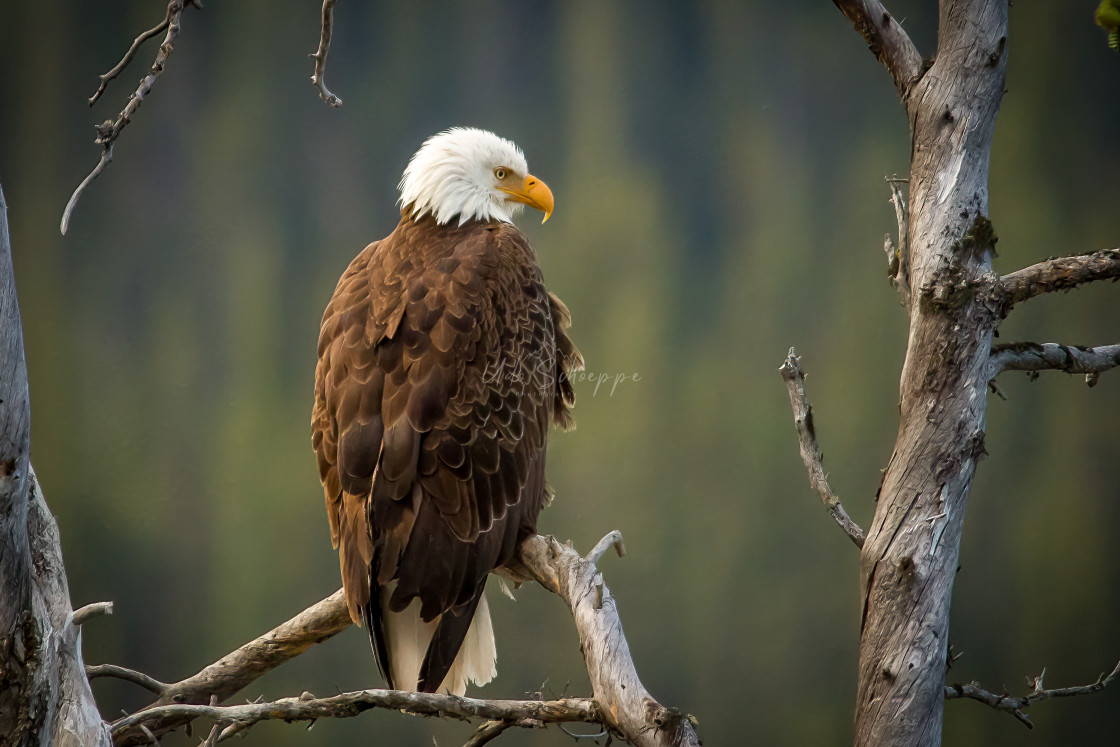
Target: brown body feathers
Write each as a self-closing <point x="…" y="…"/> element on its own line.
<point x="442" y="362"/>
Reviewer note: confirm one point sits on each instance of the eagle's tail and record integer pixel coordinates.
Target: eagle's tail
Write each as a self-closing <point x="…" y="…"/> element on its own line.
<point x="415" y="652"/>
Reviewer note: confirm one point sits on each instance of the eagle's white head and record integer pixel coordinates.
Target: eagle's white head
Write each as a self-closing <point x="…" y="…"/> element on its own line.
<point x="472" y="174"/>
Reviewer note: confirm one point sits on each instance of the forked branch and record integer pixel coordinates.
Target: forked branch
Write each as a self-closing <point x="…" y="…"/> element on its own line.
<point x="117" y="69"/>
<point x="810" y="450"/>
<point x="627" y="707"/>
<point x="109" y="131"/>
<point x="238" y="669"/>
<point x="620" y="703"/>
<point x="886" y="40"/>
<point x="1016" y="706"/>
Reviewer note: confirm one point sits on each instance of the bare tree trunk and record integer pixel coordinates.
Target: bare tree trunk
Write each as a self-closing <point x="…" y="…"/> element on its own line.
<point x="910" y="556"/>
<point x="16" y="635"/>
<point x="45" y="698"/>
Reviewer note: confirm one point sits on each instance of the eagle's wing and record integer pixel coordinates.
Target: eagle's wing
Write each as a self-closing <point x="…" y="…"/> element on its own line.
<point x="436" y="382"/>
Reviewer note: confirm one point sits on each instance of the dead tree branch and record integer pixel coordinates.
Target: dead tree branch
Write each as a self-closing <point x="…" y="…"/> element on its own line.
<point x="120" y="66"/>
<point x="898" y="258"/>
<point x="626" y="706"/>
<point x="491" y="730"/>
<point x="810" y="450"/>
<point x="886" y="40"/>
<point x="1061" y="273"/>
<point x="241" y="667"/>
<point x="1016" y="706"/>
<point x="348" y="705"/>
<point x="620" y="702"/>
<point x="151" y="684"/>
<point x="1051" y="356"/>
<point x="318" y="78"/>
<point x="109" y="131"/>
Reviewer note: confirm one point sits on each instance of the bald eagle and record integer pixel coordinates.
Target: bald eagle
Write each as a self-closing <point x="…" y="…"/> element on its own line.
<point x="442" y="362"/>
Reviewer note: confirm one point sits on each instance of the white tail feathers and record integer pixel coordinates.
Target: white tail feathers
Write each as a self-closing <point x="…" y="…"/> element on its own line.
<point x="407" y="637"/>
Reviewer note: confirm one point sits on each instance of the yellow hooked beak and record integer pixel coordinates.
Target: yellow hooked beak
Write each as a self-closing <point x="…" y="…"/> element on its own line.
<point x="533" y="193"/>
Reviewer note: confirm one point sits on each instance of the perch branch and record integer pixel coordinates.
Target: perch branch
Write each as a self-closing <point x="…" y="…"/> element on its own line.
<point x="1050" y="356"/>
<point x="320" y="57"/>
<point x="1061" y="273"/>
<point x="627" y="708"/>
<point x="886" y="40"/>
<point x="620" y="702"/>
<point x="810" y="450"/>
<point x="348" y="705"/>
<point x="108" y="132"/>
<point x="1015" y="706"/>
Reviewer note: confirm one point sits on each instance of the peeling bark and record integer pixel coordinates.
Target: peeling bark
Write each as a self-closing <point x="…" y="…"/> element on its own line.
<point x="910" y="557"/>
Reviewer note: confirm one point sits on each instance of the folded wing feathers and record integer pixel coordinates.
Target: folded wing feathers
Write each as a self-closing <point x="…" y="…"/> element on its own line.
<point x="432" y="406"/>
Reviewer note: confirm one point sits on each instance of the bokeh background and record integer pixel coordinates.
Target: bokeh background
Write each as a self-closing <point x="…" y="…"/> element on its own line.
<point x="718" y="168"/>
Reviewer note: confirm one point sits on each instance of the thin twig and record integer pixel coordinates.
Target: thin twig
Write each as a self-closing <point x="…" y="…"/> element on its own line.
<point x="106" y="157"/>
<point x="152" y="738"/>
<point x="120" y="66"/>
<point x="487" y="732"/>
<point x="899" y="260"/>
<point x="108" y="132"/>
<point x="811" y="450"/>
<point x="1015" y="706"/>
<point x="150" y="684"/>
<point x="577" y="737"/>
<point x="216" y="731"/>
<point x="886" y="40"/>
<point x="1060" y="273"/>
<point x="318" y="78"/>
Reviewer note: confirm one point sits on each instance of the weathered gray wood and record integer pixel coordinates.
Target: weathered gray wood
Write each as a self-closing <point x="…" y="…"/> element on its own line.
<point x="886" y="40"/>
<point x="1051" y="356"/>
<point x="68" y="715"/>
<point x="241" y="667"/>
<point x="628" y="706"/>
<point x="910" y="557"/>
<point x="45" y="698"/>
<point x="811" y="451"/>
<point x="16" y="633"/>
<point x="1059" y="273"/>
<point x="620" y="701"/>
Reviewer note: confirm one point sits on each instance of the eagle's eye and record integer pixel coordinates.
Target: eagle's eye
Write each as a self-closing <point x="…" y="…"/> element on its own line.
<point x="500" y="173"/>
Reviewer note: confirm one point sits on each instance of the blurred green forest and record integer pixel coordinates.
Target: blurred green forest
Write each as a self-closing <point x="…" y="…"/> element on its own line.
<point x="718" y="170"/>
